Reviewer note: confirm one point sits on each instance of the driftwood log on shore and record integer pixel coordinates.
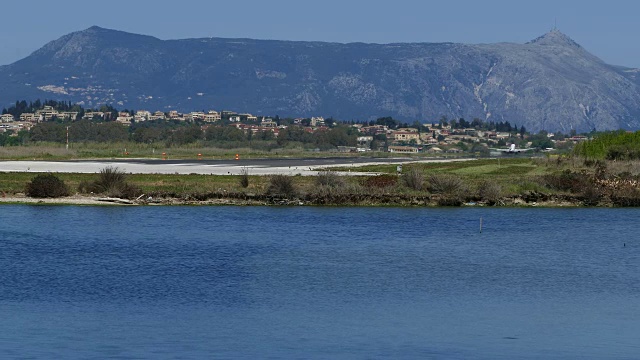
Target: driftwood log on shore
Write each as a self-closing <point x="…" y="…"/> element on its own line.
<point x="116" y="200"/>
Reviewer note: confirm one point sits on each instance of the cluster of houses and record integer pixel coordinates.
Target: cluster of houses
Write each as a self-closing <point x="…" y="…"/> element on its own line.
<point x="27" y="120"/>
<point x="431" y="138"/>
<point x="212" y="116"/>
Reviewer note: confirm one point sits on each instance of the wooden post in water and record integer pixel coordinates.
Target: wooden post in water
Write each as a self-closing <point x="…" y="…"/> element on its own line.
<point x="481" y="225"/>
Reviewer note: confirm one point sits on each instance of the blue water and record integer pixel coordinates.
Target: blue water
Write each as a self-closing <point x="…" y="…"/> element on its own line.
<point x="263" y="282"/>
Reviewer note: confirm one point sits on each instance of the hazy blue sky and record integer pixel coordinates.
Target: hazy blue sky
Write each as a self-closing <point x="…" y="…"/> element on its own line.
<point x="609" y="29"/>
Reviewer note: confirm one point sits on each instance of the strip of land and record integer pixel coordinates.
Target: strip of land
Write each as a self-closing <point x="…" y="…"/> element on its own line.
<point x="550" y="181"/>
<point x="304" y="167"/>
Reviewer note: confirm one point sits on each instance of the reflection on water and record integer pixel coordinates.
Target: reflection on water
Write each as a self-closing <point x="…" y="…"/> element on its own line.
<point x="245" y="282"/>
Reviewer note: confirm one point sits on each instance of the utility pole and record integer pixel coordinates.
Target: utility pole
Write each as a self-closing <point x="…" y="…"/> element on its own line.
<point x="67" y="138"/>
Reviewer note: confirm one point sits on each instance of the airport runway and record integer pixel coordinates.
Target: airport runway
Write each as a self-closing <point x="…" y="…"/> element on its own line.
<point x="303" y="167"/>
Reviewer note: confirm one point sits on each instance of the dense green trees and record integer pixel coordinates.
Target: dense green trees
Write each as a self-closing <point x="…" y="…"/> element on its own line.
<point x="224" y="133"/>
<point x="614" y="145"/>
<point x="6" y="139"/>
<point x="48" y="131"/>
<point x="79" y="131"/>
<point x="541" y="140"/>
<point x="174" y="133"/>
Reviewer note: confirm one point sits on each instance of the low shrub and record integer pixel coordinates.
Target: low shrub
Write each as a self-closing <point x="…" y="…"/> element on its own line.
<point x="414" y="179"/>
<point x="328" y="178"/>
<point x="109" y="178"/>
<point x="452" y="190"/>
<point x="450" y="200"/>
<point x="46" y="186"/>
<point x="380" y="181"/>
<point x="124" y="190"/>
<point x="567" y="180"/>
<point x="592" y="195"/>
<point x="111" y="182"/>
<point x="445" y="184"/>
<point x="84" y="187"/>
<point x="490" y="191"/>
<point x="244" y="178"/>
<point x="626" y="196"/>
<point x="281" y="185"/>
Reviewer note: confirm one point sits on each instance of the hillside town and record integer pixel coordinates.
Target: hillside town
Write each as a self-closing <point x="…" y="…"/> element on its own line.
<point x="385" y="134"/>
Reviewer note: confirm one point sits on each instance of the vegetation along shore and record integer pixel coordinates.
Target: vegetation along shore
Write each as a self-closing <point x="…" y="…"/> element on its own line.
<point x="547" y="181"/>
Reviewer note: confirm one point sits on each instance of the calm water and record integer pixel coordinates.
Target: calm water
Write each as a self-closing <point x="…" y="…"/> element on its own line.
<point x="257" y="282"/>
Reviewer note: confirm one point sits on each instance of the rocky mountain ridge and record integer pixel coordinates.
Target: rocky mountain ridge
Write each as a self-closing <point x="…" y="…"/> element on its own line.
<point x="550" y="83"/>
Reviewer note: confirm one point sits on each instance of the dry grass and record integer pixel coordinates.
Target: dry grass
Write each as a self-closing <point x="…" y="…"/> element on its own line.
<point x="45" y="152"/>
<point x="623" y="167"/>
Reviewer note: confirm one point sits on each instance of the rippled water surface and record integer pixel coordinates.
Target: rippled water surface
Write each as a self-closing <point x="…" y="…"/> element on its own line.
<point x="258" y="282"/>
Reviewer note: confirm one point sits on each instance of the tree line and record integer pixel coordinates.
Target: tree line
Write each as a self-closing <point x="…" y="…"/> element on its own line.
<point x="611" y="145"/>
<point x="175" y="133"/>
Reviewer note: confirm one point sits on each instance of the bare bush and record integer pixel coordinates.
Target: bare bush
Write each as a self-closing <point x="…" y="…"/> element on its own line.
<point x="84" y="187"/>
<point x="627" y="196"/>
<point x="244" y="177"/>
<point x="111" y="182"/>
<point x="452" y="189"/>
<point x="445" y="184"/>
<point x="109" y="178"/>
<point x="490" y="191"/>
<point x="567" y="180"/>
<point x="329" y="178"/>
<point x="281" y="185"/>
<point x="124" y="190"/>
<point x="414" y="179"/>
<point x="592" y="195"/>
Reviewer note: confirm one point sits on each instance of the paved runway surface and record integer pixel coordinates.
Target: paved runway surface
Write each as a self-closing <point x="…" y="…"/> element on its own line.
<point x="213" y="167"/>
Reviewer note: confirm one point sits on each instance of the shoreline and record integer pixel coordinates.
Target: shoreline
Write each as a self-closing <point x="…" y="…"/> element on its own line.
<point x="512" y="183"/>
<point x="264" y="200"/>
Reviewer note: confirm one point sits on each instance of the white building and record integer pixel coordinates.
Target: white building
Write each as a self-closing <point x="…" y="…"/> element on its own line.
<point x="7" y="118"/>
<point x="142" y="115"/>
<point x="212" y="116"/>
<point x="91" y="115"/>
<point x="30" y="117"/>
<point x="317" y="121"/>
<point x="158" y="115"/>
<point x="47" y="113"/>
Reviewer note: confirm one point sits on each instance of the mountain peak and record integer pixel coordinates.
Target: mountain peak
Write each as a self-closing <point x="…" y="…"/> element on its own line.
<point x="555" y="37"/>
<point x="108" y="33"/>
<point x="95" y="30"/>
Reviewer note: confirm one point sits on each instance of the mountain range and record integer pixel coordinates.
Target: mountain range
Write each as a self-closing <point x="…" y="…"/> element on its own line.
<point x="550" y="83"/>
